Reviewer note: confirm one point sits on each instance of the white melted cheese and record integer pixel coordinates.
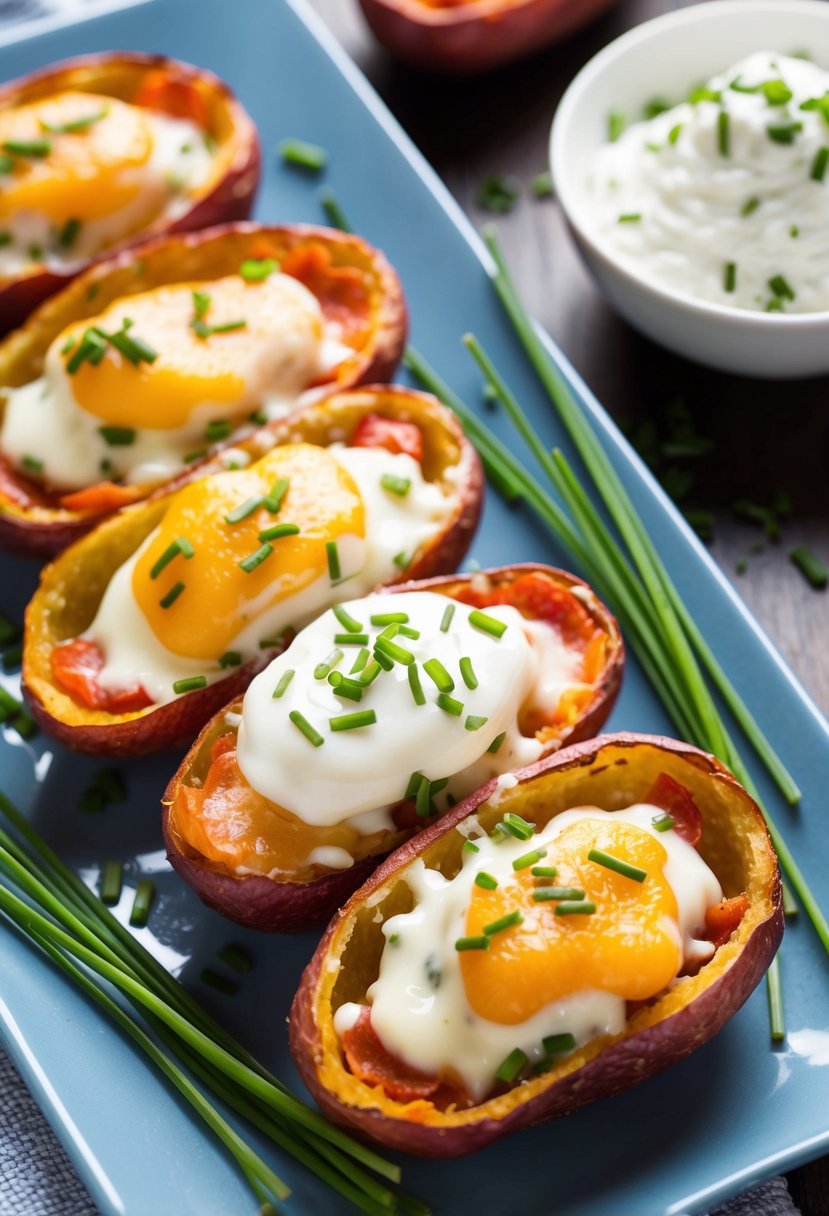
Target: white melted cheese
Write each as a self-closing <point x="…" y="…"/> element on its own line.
<point x="419" y="1007"/>
<point x="758" y="207"/>
<point x="393" y="524"/>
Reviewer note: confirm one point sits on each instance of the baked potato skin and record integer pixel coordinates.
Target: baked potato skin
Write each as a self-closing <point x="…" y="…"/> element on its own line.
<point x="656" y="1036"/>
<point x="287" y="907"/>
<point x="228" y="195"/>
<point x="464" y="39"/>
<point x="71" y="587"/>
<point x="44" y="530"/>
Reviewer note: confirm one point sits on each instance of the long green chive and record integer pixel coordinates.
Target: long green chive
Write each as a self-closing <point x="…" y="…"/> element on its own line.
<point x="181" y="545"/>
<point x="487" y="624"/>
<point x="514" y="1064"/>
<point x="575" y="907"/>
<point x="249" y="563"/>
<point x="190" y="684"/>
<point x="284" y="681"/>
<point x="724" y="133"/>
<point x="230" y="658"/>
<point x="810" y="566"/>
<point x="543" y="894"/>
<point x="495" y="745"/>
<point x="243" y="511"/>
<point x="390" y="618"/>
<point x="446" y="621"/>
<point x="343" y="687"/>
<point x="474" y="721"/>
<point x="346" y="620"/>
<point x="322" y="669"/>
<point x="304" y="726"/>
<point x="504" y="922"/>
<point x="254" y="270"/>
<point x="220" y="982"/>
<point x="781" y="287"/>
<point x="467" y="673"/>
<point x="486" y="881"/>
<point x="449" y="705"/>
<point x="332" y="553"/>
<point x="75" y="125"/>
<point x="278" y="531"/>
<point x="351" y="639"/>
<point x="518" y="827"/>
<point x="273" y="500"/>
<point x="663" y="822"/>
<point x="112" y="878"/>
<point x="439" y="676"/>
<point x="362" y="717"/>
<point x="601" y="858"/>
<point x="529" y="859"/>
<point x="117" y="436"/>
<point x="35" y="148"/>
<point x="360" y="661"/>
<point x="141" y="904"/>
<point x="472" y="943"/>
<point x="544" y="871"/>
<point x="218" y="429"/>
<point x="730" y="276"/>
<point x="398" y="654"/>
<point x="396" y="485"/>
<point x="775" y="994"/>
<point x="416" y="687"/>
<point x="172" y="595"/>
<point x="302" y="155"/>
<point x="235" y="958"/>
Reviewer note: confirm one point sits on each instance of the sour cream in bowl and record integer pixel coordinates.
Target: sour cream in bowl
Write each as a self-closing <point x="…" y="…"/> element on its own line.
<point x="691" y="160"/>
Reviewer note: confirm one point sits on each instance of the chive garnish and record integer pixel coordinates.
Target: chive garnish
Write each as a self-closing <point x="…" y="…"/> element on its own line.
<point x="396" y="485"/>
<point x="446" y="621"/>
<point x="202" y="330"/>
<point x="254" y="270"/>
<point x="112" y="877"/>
<point x="601" y="858"/>
<point x="663" y="822"/>
<point x="504" y="922"/>
<point x="575" y="907"/>
<point x="439" y="676"/>
<point x="472" y="943"/>
<point x="467" y="674"/>
<point x="821" y="160"/>
<point x="497" y="193"/>
<point x="487" y="624"/>
<point x="398" y="654"/>
<point x="784" y="133"/>
<point x="517" y="826"/>
<point x="334" y="212"/>
<point x="470" y="847"/>
<point x="117" y="436"/>
<point x="346" y="620"/>
<point x="730" y="276"/>
<point x="402" y="560"/>
<point x="75" y="125"/>
<point x="486" y="881"/>
<point x="190" y="684"/>
<point x="542" y="185"/>
<point x="328" y="664"/>
<point x="370" y="673"/>
<point x="32" y="464"/>
<point x="544" y="871"/>
<point x="360" y="661"/>
<point x="449" y="705"/>
<point x="496" y="742"/>
<point x="278" y="531"/>
<point x="556" y="1043"/>
<point x="133" y="348"/>
<point x="390" y="618"/>
<point x="674" y="133"/>
<point x="514" y="1064"/>
<point x="142" y="902"/>
<point x="220" y="982"/>
<point x="529" y="859"/>
<point x="69" y="233"/>
<point x="231" y="658"/>
<point x="332" y="553"/>
<point x="423" y="799"/>
<point x="362" y="717"/>
<point x="542" y="894"/>
<point x="351" y="639"/>
<point x="473" y="721"/>
<point x="343" y="687"/>
<point x="781" y="288"/>
<point x="34" y="148"/>
<point x="749" y="206"/>
<point x="284" y="681"/>
<point x="724" y="133"/>
<point x="629" y="217"/>
<point x="416" y="687"/>
<point x="172" y="595"/>
<point x="250" y="563"/>
<point x="616" y="124"/>
<point x="243" y="510"/>
<point x="810" y="566"/>
<point x="304" y="727"/>
<point x="415" y="782"/>
<point x="303" y="155"/>
<point x="407" y="632"/>
<point x="273" y="501"/>
<point x="218" y="429"/>
<point x="179" y="546"/>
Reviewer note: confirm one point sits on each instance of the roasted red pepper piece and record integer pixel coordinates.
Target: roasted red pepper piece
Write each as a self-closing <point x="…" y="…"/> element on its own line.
<point x="178" y="98"/>
<point x="374" y="431"/>
<point x="676" y="800"/>
<point x="722" y="919"/>
<point x="75" y="668"/>
<point x="341" y="290"/>
<point x="369" y="1060"/>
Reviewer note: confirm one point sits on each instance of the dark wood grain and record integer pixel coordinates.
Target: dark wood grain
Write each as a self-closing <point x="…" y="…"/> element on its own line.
<point x="766" y="437"/>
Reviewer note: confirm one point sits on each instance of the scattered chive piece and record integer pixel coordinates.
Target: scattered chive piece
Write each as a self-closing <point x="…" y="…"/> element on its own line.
<point x="781" y="287"/>
<point x="555" y="1043"/>
<point x="467" y="674"/>
<point x="284" y="681"/>
<point x="69" y="233"/>
<point x="575" y="907"/>
<point x="254" y="270"/>
<point x="142" y="902"/>
<point x="218" y="429"/>
<point x="390" y="618"/>
<point x="495" y="745"/>
<point x="333" y="554"/>
<point x="359" y="662"/>
<point x="486" y="881"/>
<point x="236" y="958"/>
<point x="179" y="545"/>
<point x="362" y="717"/>
<point x="663" y="822"/>
<point x="396" y="485"/>
<point x="273" y="501"/>
<point x="348" y="622"/>
<point x="749" y="206"/>
<point x="818" y="171"/>
<point x="117" y="436"/>
<point x="343" y="687"/>
<point x="398" y="653"/>
<point x="203" y="330"/>
<point x="601" y="858"/>
<point x="784" y="133"/>
<point x="415" y="782"/>
<point x="12" y="658"/>
<point x="36" y="148"/>
<point x="32" y="465"/>
<point x="487" y="624"/>
<point x="448" y="613"/>
<point x="515" y="1063"/>
<point x="724" y="133"/>
<point x="810" y="566"/>
<point x="449" y="705"/>
<point x="418" y="694"/>
<point x="497" y="193"/>
<point x="278" y="531"/>
<point x="190" y="457"/>
<point x="68" y="344"/>
<point x="393" y="938"/>
<point x="391" y="631"/>
<point x="529" y="859"/>
<point x="518" y="827"/>
<point x="439" y="676"/>
<point x="790" y="908"/>
<point x="472" y="943"/>
<point x="407" y="632"/>
<point x="730" y="276"/>
<point x="402" y="560"/>
<point x="504" y="922"/>
<point x="304" y="726"/>
<point x="544" y="871"/>
<point x="112" y="877"/>
<point x="303" y="155"/>
<point x="190" y="684"/>
<point x="775" y="995"/>
<point x="76" y="124"/>
<point x="470" y="847"/>
<point x="259" y="417"/>
<point x="616" y="124"/>
<point x="334" y="212"/>
<point x="322" y="669"/>
<point x="351" y="639"/>
<point x="674" y="133"/>
<point x="172" y="595"/>
<point x="542" y="185"/>
<point x="794" y="231"/>
<point x="231" y="658"/>
<point x="219" y="982"/>
<point x="629" y="217"/>
<point x="243" y="510"/>
<point x="369" y="673"/>
<point x="423" y="798"/>
<point x="473" y="721"/>
<point x="201" y="304"/>
<point x="249" y="563"/>
<point x="542" y="894"/>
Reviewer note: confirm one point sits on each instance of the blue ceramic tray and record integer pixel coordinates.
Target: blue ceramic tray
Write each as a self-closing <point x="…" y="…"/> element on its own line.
<point x="735" y="1112"/>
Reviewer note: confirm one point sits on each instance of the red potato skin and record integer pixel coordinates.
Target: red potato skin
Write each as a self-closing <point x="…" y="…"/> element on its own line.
<point x="45" y="538"/>
<point x="285" y="907"/>
<point x="175" y="724"/>
<point x="231" y="198"/>
<point x="473" y="37"/>
<point x="625" y="1062"/>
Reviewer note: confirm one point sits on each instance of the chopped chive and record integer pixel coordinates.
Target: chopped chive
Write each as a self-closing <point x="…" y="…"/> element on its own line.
<point x="333" y="211"/>
<point x="249" y="563"/>
<point x="220" y="982"/>
<point x="416" y="687"/>
<point x="304" y="726"/>
<point x="231" y="658"/>
<point x="529" y="859"/>
<point x="348" y="622"/>
<point x="322" y="669"/>
<point x="12" y="658"/>
<point x="303" y="155"/>
<point x="415" y="782"/>
<point x="344" y="687"/>
<point x="74" y="125"/>
<point x="273" y="501"/>
<point x="514" y="1064"/>
<point x="810" y="566"/>
<point x="369" y="673"/>
<point x="504" y="922"/>
<point x="784" y="133"/>
<point x="781" y="287"/>
<point x="117" y="436"/>
<point x="32" y="465"/>
<point x="351" y="639"/>
<point x="243" y="510"/>
<point x="134" y="349"/>
<point x="402" y="560"/>
<point x="472" y="943"/>
<point x="259" y="417"/>
<point x="423" y="799"/>
<point x="383" y="660"/>
<point x="69" y="233"/>
<point x="495" y="745"/>
<point x="794" y="231"/>
<point x="556" y="1043"/>
<point x="201" y="304"/>
<point x="68" y="344"/>
<point x="486" y="881"/>
<point x="179" y="546"/>
<point x="190" y="684"/>
<point x="473" y="721"/>
<point x="575" y="907"/>
<point x="467" y="674"/>
<point x="360" y="661"/>
<point x="333" y="554"/>
<point x="449" y="705"/>
<point x="497" y="193"/>
<point x="517" y="826"/>
<point x="390" y="618"/>
<point x="284" y="681"/>
<point x="235" y="958"/>
<point x="542" y="185"/>
<point x="487" y="624"/>
<point x="35" y="148"/>
<point x="191" y="457"/>
<point x="142" y="902"/>
<point x="398" y="654"/>
<point x="749" y="206"/>
<point x="362" y="717"/>
<point x="674" y="133"/>
<point x="818" y="170"/>
<point x="203" y="330"/>
<point x="724" y="133"/>
<point x="544" y="871"/>
<point x="407" y="632"/>
<point x="112" y="878"/>
<point x="470" y="847"/>
<point x="218" y="429"/>
<point x="730" y="276"/>
<point x="629" y="217"/>
<point x="172" y="595"/>
<point x="616" y="124"/>
<point x="448" y="613"/>
<point x="278" y="531"/>
<point x="254" y="270"/>
<point x="663" y="822"/>
<point x="542" y="894"/>
<point x="601" y="858"/>
<point x="396" y="485"/>
<point x="394" y="938"/>
<point x="439" y="676"/>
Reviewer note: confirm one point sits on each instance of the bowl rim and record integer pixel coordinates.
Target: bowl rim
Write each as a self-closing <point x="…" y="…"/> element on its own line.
<point x="592" y="70"/>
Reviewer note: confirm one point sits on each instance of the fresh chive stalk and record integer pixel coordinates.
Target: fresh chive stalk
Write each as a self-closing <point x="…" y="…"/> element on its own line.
<point x="303" y="155"/>
<point x="142" y="903"/>
<point x="618" y="865"/>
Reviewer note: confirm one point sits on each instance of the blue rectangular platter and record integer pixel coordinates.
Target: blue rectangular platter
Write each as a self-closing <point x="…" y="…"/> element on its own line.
<point x="734" y="1113"/>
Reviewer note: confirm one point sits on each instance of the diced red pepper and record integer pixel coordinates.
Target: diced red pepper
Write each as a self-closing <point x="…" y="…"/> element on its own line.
<point x="676" y="800"/>
<point x="104" y="496"/>
<point x="178" y="98"/>
<point x="723" y="919"/>
<point x="341" y="290"/>
<point x="374" y="431"/>
<point x="75" y="669"/>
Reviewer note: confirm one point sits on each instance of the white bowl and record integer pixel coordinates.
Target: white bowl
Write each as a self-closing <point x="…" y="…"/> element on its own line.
<point x="667" y="57"/>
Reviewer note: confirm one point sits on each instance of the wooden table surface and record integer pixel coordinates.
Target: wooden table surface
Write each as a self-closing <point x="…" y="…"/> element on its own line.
<point x="767" y="437"/>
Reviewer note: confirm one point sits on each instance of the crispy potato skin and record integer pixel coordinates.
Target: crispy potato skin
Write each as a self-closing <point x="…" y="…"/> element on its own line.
<point x="45" y="530"/>
<point x="467" y="38"/>
<point x="285" y="907"/>
<point x="228" y="194"/>
<point x="611" y="771"/>
<point x="71" y="587"/>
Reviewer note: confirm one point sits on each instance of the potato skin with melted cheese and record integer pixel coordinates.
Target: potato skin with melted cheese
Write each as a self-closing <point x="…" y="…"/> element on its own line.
<point x="610" y="772"/>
